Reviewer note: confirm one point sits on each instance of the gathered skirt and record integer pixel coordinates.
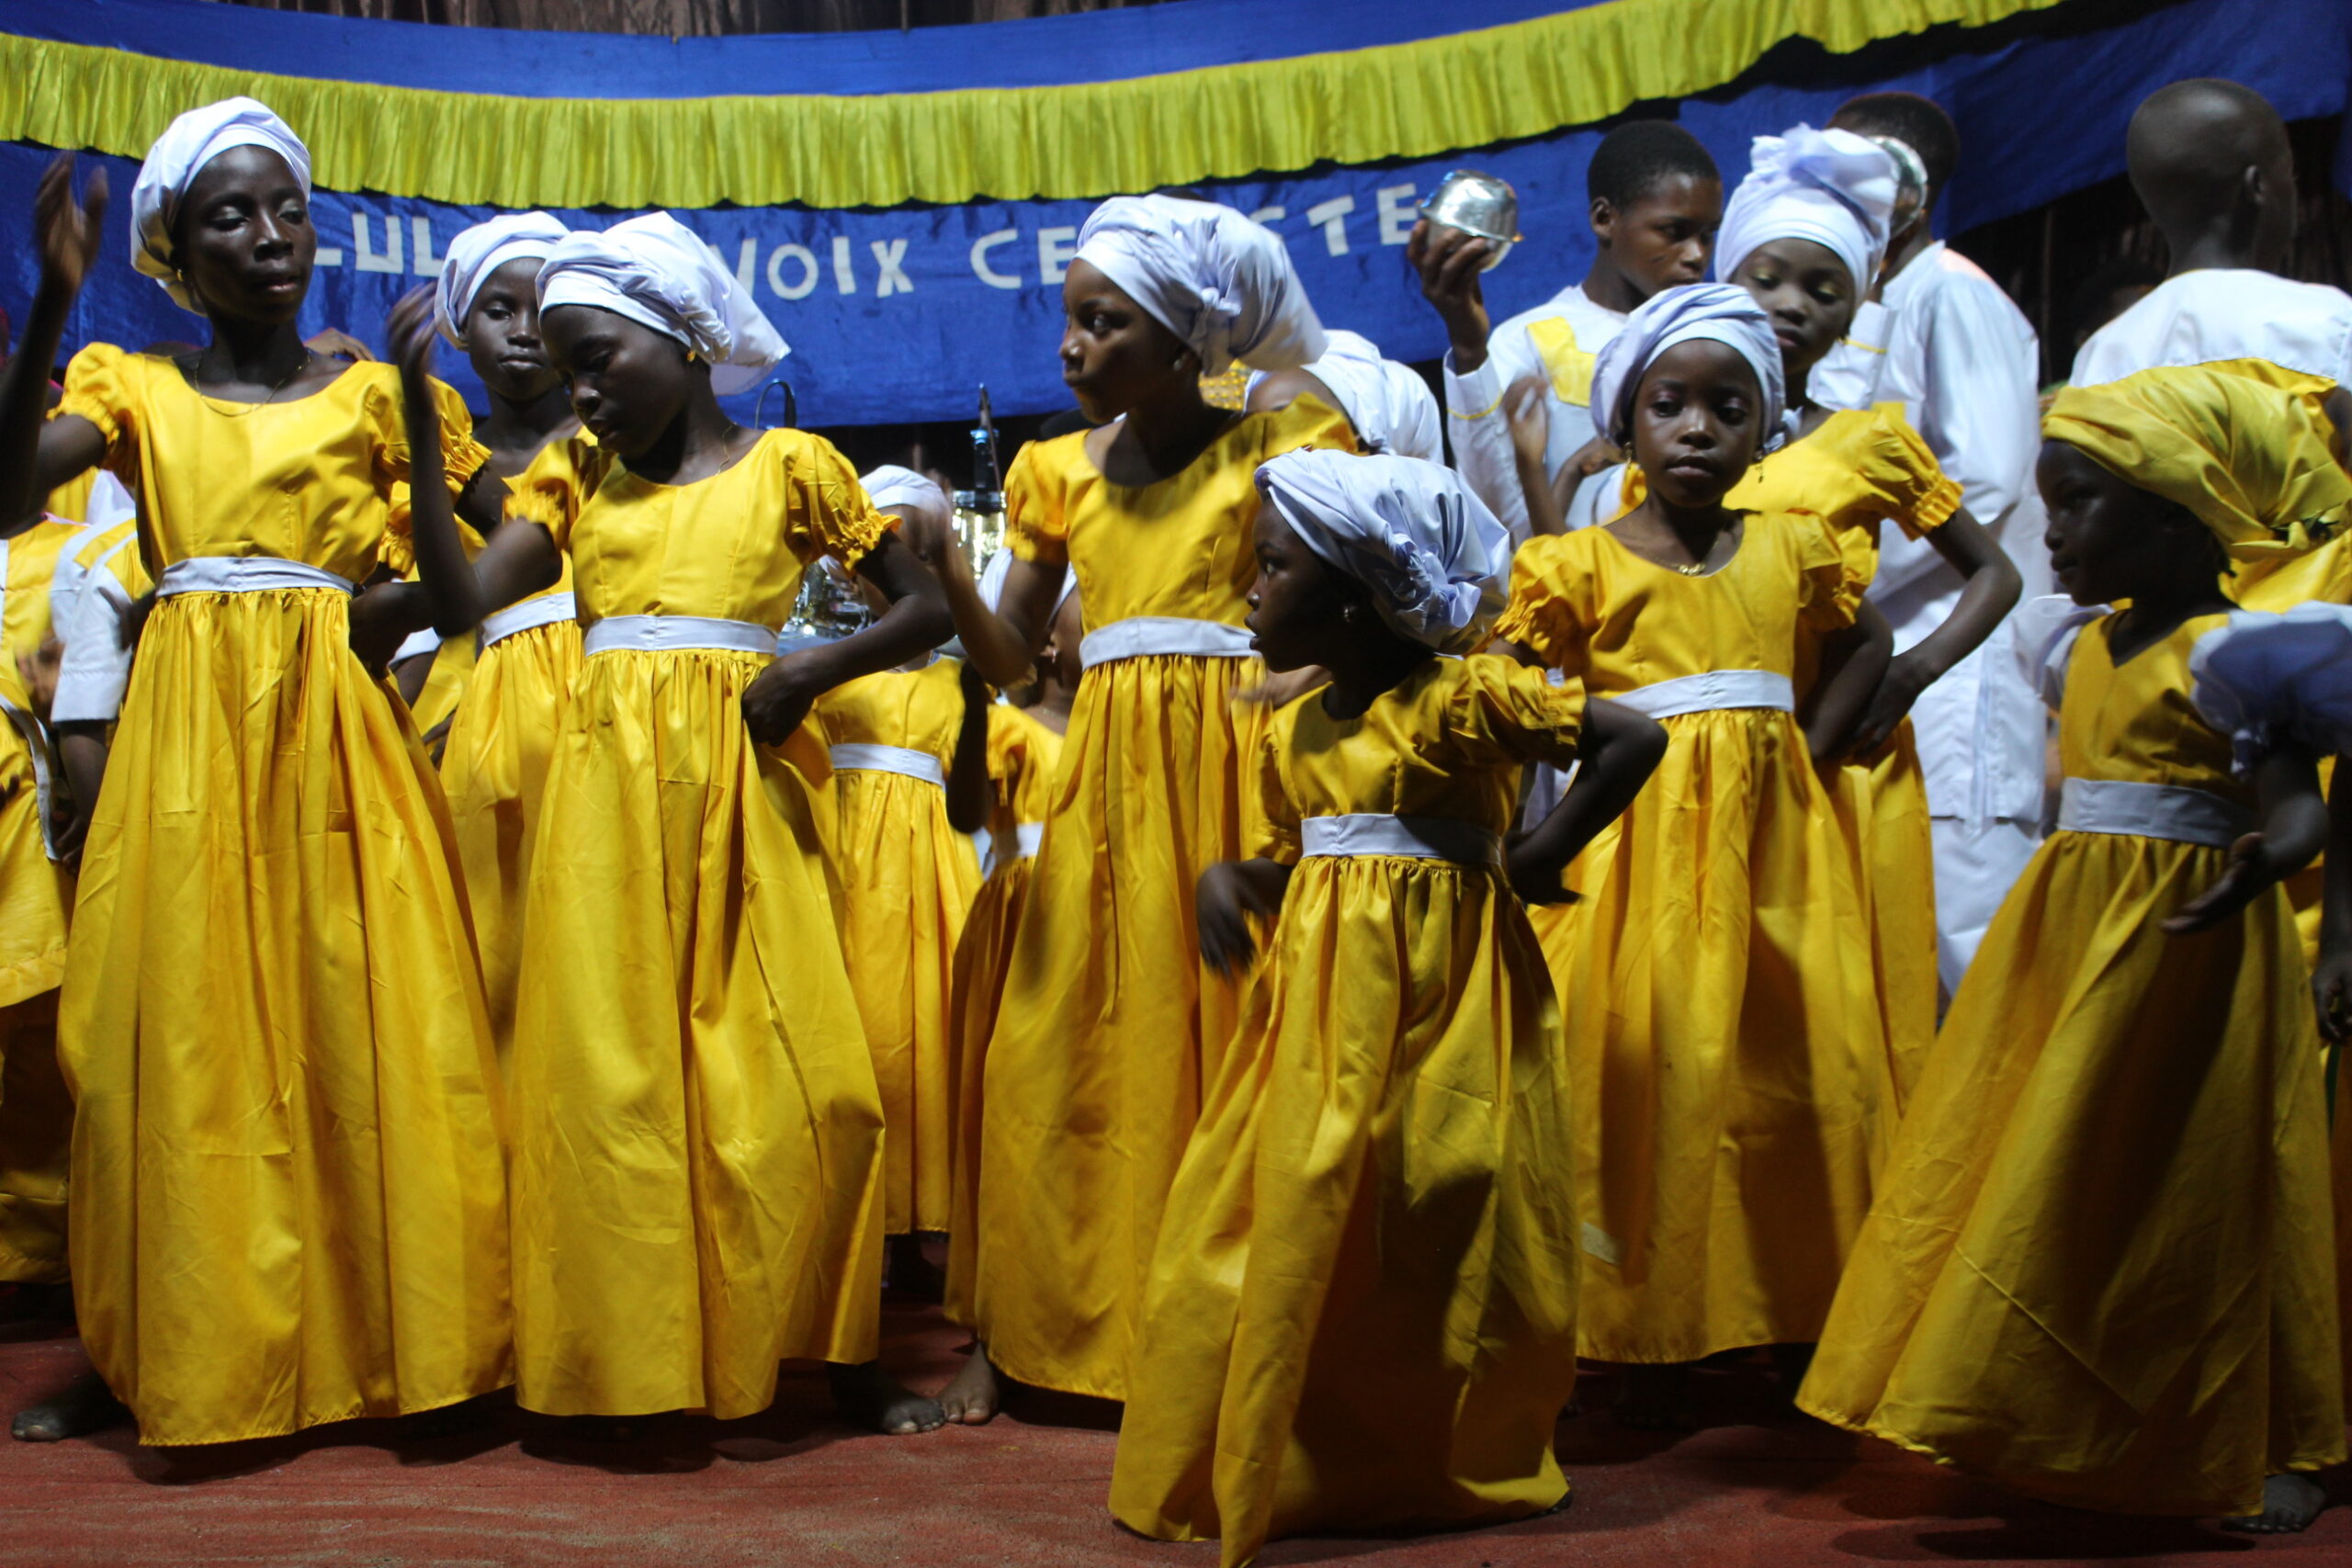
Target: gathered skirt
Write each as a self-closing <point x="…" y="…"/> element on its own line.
<point x="1731" y="1078"/>
<point x="1881" y="801"/>
<point x="290" y="1205"/>
<point x="975" y="989"/>
<point x="908" y="882"/>
<point x="1362" y="1308"/>
<point x="697" y="1134"/>
<point x="2100" y="1268"/>
<point x="1110" y="1027"/>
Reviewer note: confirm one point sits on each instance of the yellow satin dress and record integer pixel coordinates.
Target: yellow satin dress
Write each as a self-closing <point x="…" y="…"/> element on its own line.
<point x="1023" y="756"/>
<point x="35" y="1113"/>
<point x="495" y="767"/>
<point x="697" y="1189"/>
<point x="907" y="881"/>
<point x="2100" y="1268"/>
<point x="1109" y="1028"/>
<point x="289" y="1204"/>
<point x="1361" y="1311"/>
<point x="1724" y="1042"/>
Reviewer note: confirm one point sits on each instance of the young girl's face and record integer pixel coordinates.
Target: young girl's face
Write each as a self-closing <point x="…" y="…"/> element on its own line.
<point x="628" y="383"/>
<point x="1809" y="295"/>
<point x="1115" y="355"/>
<point x="502" y="335"/>
<point x="1698" y="419"/>
<point x="1297" y="606"/>
<point x="2108" y="539"/>
<point x="244" y="238"/>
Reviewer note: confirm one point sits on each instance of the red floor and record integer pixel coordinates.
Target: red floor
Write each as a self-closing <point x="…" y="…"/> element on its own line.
<point x="791" y="1487"/>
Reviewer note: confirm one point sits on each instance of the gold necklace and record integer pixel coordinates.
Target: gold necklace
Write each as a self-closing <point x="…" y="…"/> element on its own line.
<point x="250" y="409"/>
<point x="1696" y="570"/>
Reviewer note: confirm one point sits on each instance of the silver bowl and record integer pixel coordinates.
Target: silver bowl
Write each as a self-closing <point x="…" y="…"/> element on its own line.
<point x="1478" y="204"/>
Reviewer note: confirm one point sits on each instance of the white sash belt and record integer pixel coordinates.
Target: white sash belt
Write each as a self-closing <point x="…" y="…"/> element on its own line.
<point x="1709" y="690"/>
<point x="2152" y="811"/>
<point x="1142" y="636"/>
<point x="1028" y="836"/>
<point x="857" y="756"/>
<point x="244" y="574"/>
<point x="674" y="634"/>
<point x="1419" y="838"/>
<point x="529" y="616"/>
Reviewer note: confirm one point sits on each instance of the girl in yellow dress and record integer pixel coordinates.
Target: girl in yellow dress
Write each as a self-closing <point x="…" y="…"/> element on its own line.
<point x="289" y="1200"/>
<point x="1804" y="234"/>
<point x="1722" y="1032"/>
<point x="908" y="880"/>
<point x="1361" y="1312"/>
<point x="1109" y="1030"/>
<point x="697" y="1187"/>
<point x="1008" y="757"/>
<point x="2098" y="1268"/>
<point x="494" y="764"/>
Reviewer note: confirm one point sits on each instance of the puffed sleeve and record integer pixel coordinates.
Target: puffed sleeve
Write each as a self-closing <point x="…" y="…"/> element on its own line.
<point x="1036" y="524"/>
<point x="1901" y="476"/>
<point x="828" y="513"/>
<point x="558" y="482"/>
<point x="2261" y="679"/>
<point x="1273" y="829"/>
<point x="1307" y="421"/>
<point x="99" y="387"/>
<point x="2042" y="634"/>
<point x="1831" y="575"/>
<point x="1551" y="609"/>
<point x="461" y="455"/>
<point x="1499" y="711"/>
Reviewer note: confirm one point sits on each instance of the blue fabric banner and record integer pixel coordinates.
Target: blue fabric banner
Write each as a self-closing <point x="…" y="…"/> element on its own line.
<point x="901" y="315"/>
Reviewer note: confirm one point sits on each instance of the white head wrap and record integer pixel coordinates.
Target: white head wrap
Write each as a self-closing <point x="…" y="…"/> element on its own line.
<point x="1717" y="313"/>
<point x="172" y="163"/>
<point x="482" y="250"/>
<point x="1000" y="566"/>
<point x="1219" y="282"/>
<point x="891" y="485"/>
<point x="1388" y="403"/>
<point x="659" y="274"/>
<point x="1435" y="558"/>
<point x="1830" y="186"/>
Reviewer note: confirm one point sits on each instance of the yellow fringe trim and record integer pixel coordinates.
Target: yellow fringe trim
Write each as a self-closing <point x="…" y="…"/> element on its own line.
<point x="1408" y="101"/>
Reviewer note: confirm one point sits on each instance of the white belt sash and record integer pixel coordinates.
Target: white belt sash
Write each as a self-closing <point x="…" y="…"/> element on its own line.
<point x="859" y="756"/>
<point x="1416" y="838"/>
<point x="529" y="616"/>
<point x="244" y="574"/>
<point x="1710" y="691"/>
<point x="674" y="634"/>
<point x="1028" y="836"/>
<point x="1143" y="636"/>
<point x="2152" y="811"/>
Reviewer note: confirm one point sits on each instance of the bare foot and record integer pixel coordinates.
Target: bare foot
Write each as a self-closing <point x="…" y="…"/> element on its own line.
<point x="448" y="1421"/>
<point x="972" y="1397"/>
<point x="1656" y="1398"/>
<point x="867" y="1396"/>
<point x="88" y="1405"/>
<point x="907" y="1272"/>
<point x="2289" y="1503"/>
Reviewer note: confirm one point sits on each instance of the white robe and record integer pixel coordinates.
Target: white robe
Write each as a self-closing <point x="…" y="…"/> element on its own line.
<point x="1576" y="329"/>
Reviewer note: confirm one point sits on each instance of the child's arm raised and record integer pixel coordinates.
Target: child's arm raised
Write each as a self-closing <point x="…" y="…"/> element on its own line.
<point x="1000" y="643"/>
<point x="38" y="454"/>
<point x="968" y="775"/>
<point x="1227" y="895"/>
<point x="916" y="622"/>
<point x="2295" y="823"/>
<point x="1619" y="751"/>
<point x="450" y="587"/>
<point x="1993" y="585"/>
<point x="1855" y="660"/>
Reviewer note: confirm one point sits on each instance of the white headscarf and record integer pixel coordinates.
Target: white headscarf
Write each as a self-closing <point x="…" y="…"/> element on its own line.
<point x="657" y="273"/>
<point x="1388" y="403"/>
<point x="1717" y="313"/>
<point x="1435" y="558"/>
<point x="172" y="163"/>
<point x="891" y="485"/>
<point x="1219" y="282"/>
<point x="1830" y="186"/>
<point x="482" y="250"/>
<point x="1000" y="566"/>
